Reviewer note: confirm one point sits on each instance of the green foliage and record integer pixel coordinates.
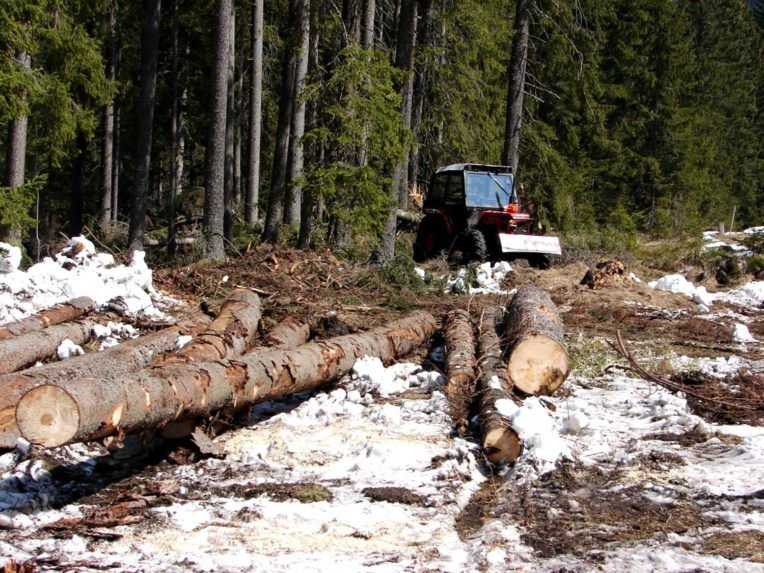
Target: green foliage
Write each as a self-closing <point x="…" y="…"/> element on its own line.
<point x="755" y="264"/>
<point x="16" y="203"/>
<point x="360" y="114"/>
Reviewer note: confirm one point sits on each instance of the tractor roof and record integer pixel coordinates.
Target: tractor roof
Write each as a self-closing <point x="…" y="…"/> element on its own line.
<point x="476" y="167"/>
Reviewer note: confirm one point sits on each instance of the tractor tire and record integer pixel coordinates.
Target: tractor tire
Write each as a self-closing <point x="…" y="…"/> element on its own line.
<point x="430" y="239"/>
<point x="475" y="247"/>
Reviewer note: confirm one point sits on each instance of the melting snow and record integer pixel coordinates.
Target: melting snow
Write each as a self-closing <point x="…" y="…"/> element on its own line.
<point x="78" y="270"/>
<point x="67" y="349"/>
<point x="488" y="279"/>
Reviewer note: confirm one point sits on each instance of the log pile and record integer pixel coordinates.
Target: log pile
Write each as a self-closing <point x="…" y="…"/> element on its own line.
<point x="460" y="367"/>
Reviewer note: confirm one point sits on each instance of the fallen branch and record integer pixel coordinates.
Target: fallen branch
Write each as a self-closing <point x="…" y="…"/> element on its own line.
<point x="110" y="364"/>
<point x="58" y="314"/>
<point x="500" y="442"/>
<point x="460" y="367"/>
<point x="86" y="409"/>
<point x="537" y="362"/>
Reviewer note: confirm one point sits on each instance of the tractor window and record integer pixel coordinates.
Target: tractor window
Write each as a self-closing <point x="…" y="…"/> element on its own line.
<point x="455" y="189"/>
<point x="489" y="190"/>
<point x="437" y="190"/>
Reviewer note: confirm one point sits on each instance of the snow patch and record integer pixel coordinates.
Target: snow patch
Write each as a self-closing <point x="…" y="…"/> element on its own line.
<point x="10" y="258"/>
<point x="67" y="349"/>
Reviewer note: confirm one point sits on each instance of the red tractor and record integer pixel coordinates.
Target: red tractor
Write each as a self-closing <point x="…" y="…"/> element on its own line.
<point x="474" y="210"/>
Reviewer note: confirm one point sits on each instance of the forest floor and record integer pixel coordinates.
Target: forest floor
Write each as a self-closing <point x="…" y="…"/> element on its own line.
<point x="366" y="474"/>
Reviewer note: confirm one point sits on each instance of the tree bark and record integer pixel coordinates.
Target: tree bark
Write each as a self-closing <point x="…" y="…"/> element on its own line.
<point x="107" y="146"/>
<point x="289" y="333"/>
<point x="76" y="198"/>
<point x="21" y="351"/>
<point x="229" y="335"/>
<point x="293" y="202"/>
<point x="537" y="362"/>
<point x="420" y="87"/>
<point x="369" y="15"/>
<point x="460" y="367"/>
<point x="176" y="133"/>
<point x="84" y="410"/>
<point x="117" y="166"/>
<point x="230" y="129"/>
<point x="108" y="365"/>
<point x="500" y="442"/>
<point x="275" y="214"/>
<point x="17" y="153"/>
<point x="256" y="114"/>
<point x="404" y="60"/>
<point x="71" y="310"/>
<point x="516" y="91"/>
<point x="145" y="111"/>
<point x="214" y="205"/>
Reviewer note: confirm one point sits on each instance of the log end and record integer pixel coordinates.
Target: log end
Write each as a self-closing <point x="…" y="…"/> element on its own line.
<point x="502" y="445"/>
<point x="538" y="365"/>
<point x="48" y="416"/>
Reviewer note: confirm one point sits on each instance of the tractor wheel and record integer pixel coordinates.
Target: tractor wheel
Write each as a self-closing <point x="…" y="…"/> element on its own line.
<point x="429" y="240"/>
<point x="475" y="247"/>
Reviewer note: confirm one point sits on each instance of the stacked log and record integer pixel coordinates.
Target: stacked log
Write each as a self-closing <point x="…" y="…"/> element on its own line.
<point x="61" y="313"/>
<point x="86" y="409"/>
<point x="289" y="333"/>
<point x="500" y="442"/>
<point x="110" y="364"/>
<point x="537" y="362"/>
<point x="26" y="349"/>
<point x="460" y="367"/>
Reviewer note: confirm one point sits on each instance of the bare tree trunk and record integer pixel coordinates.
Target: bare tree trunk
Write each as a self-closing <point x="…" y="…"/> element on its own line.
<point x="293" y="201"/>
<point x="17" y="153"/>
<point x="214" y="205"/>
<point x="516" y="91"/>
<point x="309" y="203"/>
<point x="230" y="131"/>
<point x="107" y="149"/>
<point x="404" y="60"/>
<point x="76" y="197"/>
<point x="370" y="11"/>
<point x="117" y="166"/>
<point x="279" y="174"/>
<point x="149" y="58"/>
<point x="174" y="135"/>
<point x="255" y="114"/>
<point x="420" y="89"/>
<point x="84" y="410"/>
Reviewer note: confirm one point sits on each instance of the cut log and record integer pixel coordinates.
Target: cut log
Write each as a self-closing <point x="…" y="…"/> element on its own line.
<point x="229" y="335"/>
<point x="537" y="362"/>
<point x="500" y="442"/>
<point x="85" y="409"/>
<point x="289" y="333"/>
<point x="22" y="351"/>
<point x="110" y="364"/>
<point x="58" y="314"/>
<point x="460" y="367"/>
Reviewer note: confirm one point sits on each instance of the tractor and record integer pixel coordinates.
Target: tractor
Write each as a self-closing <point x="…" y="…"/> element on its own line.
<point x="474" y="210"/>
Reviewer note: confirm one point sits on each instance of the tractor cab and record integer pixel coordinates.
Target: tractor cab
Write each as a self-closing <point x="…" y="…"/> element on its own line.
<point x="474" y="209"/>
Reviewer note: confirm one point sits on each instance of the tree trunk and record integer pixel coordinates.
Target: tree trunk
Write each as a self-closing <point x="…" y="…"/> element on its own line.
<point x="275" y="214"/>
<point x="17" y="353"/>
<point x="145" y="112"/>
<point x="76" y="199"/>
<point x="117" y="165"/>
<point x="420" y="87"/>
<point x="230" y="131"/>
<point x="537" y="362"/>
<point x="84" y="410"/>
<point x="214" y="204"/>
<point x="309" y="211"/>
<point x="404" y="60"/>
<point x="239" y="112"/>
<point x="176" y="135"/>
<point x="229" y="335"/>
<point x="107" y="147"/>
<point x="289" y="333"/>
<point x="500" y="442"/>
<point x="293" y="201"/>
<point x="17" y="154"/>
<point x="255" y="114"/>
<point x="110" y="364"/>
<point x="71" y="310"/>
<point x="460" y="367"/>
<point x="369" y="14"/>
<point x="516" y="92"/>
